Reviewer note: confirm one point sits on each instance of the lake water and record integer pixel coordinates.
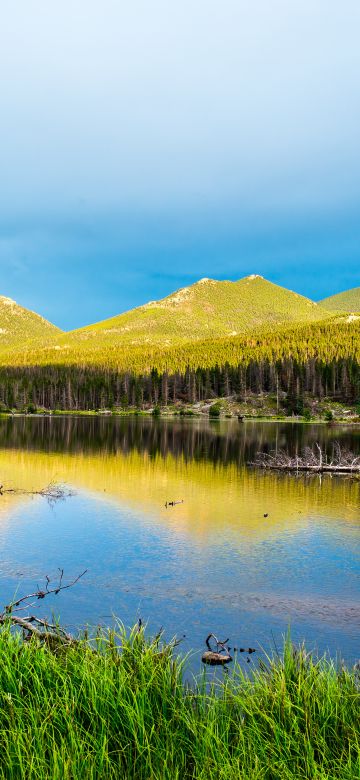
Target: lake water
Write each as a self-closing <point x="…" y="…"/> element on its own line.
<point x="212" y="563"/>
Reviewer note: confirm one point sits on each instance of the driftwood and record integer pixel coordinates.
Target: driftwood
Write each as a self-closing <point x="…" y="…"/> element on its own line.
<point x="313" y="460"/>
<point x="221" y="655"/>
<point x="33" y="626"/>
<point x="217" y="657"/>
<point x="212" y="658"/>
<point x="53" y="492"/>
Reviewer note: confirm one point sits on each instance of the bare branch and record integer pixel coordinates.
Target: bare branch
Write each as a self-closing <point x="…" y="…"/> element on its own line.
<point x="33" y="626"/>
<point x="41" y="594"/>
<point x="220" y="646"/>
<point x="343" y="461"/>
<point x="53" y="492"/>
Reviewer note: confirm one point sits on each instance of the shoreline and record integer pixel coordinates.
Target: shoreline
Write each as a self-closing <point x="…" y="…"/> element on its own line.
<point x="178" y="416"/>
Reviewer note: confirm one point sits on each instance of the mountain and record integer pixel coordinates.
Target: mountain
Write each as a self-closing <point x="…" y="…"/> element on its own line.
<point x="19" y="326"/>
<point x="206" y="309"/>
<point x="349" y="301"/>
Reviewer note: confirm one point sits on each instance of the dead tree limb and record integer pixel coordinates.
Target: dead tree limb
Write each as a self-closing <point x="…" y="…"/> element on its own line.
<point x="312" y="460"/>
<point x="34" y="626"/>
<point x="54" y="491"/>
<point x="217" y="657"/>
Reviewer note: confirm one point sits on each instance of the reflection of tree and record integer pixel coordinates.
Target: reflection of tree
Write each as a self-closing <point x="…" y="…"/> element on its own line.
<point x="226" y="442"/>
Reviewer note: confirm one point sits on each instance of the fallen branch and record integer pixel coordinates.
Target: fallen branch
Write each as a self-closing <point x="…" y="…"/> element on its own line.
<point x="311" y="460"/>
<point x="53" y="492"/>
<point x="217" y="657"/>
<point x="34" y="626"/>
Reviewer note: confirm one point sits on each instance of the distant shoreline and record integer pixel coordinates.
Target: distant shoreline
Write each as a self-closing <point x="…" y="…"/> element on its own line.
<point x="196" y="416"/>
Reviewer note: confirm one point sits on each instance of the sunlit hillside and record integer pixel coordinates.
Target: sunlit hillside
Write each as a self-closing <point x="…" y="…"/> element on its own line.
<point x="206" y="309"/>
<point x="349" y="301"/>
<point x="19" y="325"/>
<point x="210" y="322"/>
<point x="327" y="341"/>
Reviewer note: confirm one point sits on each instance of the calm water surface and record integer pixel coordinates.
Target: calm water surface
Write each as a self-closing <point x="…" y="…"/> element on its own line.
<point x="213" y="563"/>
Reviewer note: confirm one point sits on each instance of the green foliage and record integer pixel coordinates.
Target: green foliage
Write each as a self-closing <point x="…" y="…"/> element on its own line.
<point x="90" y="387"/>
<point x="122" y="710"/>
<point x="31" y="408"/>
<point x="215" y="409"/>
<point x="348" y="301"/>
<point x="156" y="412"/>
<point x="307" y="414"/>
<point x="328" y="415"/>
<point x="124" y="401"/>
<point x="294" y="398"/>
<point x="327" y="343"/>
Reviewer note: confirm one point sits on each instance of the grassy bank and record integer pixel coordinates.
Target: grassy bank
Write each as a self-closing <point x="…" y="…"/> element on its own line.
<point x="107" y="712"/>
<point x="262" y="407"/>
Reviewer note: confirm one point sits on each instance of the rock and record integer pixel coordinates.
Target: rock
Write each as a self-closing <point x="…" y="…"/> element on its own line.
<point x="212" y="658"/>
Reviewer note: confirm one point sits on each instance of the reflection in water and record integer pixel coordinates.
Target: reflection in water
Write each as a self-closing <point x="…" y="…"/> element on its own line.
<point x="222" y="442"/>
<point x="213" y="562"/>
<point x="218" y="499"/>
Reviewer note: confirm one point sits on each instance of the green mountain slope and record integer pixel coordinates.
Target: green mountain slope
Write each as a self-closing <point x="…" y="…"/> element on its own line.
<point x="349" y="301"/>
<point x="217" y="315"/>
<point x="207" y="309"/>
<point x="18" y="326"/>
<point x="328" y="341"/>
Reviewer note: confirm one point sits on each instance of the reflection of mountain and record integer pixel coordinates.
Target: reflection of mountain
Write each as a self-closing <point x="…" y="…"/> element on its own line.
<point x="218" y="499"/>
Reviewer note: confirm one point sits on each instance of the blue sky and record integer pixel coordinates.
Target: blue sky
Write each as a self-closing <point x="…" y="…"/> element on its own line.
<point x="145" y="145"/>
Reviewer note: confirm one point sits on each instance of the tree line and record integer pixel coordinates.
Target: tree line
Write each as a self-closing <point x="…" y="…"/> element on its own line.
<point x="321" y="360"/>
<point x="90" y="387"/>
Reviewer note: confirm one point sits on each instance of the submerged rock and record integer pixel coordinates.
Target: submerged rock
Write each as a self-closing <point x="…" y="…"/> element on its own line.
<point x="213" y="658"/>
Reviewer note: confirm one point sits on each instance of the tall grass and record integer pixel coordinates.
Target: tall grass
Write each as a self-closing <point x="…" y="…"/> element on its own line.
<point x="121" y="709"/>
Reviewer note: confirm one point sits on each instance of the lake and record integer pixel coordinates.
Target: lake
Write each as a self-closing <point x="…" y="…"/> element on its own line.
<point x="212" y="563"/>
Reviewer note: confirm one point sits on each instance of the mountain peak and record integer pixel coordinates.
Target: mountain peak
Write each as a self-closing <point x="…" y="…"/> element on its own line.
<point x="207" y="309"/>
<point x="19" y="325"/>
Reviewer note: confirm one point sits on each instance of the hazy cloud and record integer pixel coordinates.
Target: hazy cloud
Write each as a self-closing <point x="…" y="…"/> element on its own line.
<point x="209" y="122"/>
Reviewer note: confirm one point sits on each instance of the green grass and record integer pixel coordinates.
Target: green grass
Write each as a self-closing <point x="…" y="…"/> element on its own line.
<point x="349" y="301"/>
<point x="107" y="712"/>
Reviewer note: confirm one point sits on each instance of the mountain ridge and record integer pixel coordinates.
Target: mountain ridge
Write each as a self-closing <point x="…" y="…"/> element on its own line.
<point x="19" y="325"/>
<point x="207" y="308"/>
<point x="346" y="301"/>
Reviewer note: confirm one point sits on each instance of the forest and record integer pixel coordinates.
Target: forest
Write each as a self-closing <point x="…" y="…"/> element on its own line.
<point x="321" y="360"/>
<point x="75" y="388"/>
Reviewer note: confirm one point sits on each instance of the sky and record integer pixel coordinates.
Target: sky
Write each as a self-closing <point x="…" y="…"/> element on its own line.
<point x="144" y="145"/>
